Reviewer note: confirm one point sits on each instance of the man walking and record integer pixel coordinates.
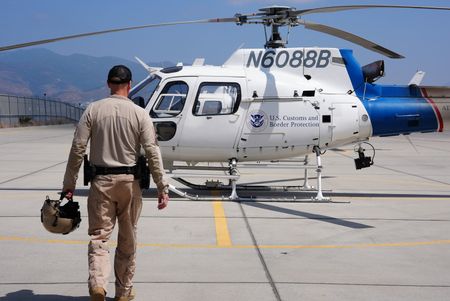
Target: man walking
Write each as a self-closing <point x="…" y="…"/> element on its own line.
<point x="117" y="129"/>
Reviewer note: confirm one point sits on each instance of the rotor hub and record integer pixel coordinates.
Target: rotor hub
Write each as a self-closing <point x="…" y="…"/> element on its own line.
<point x="273" y="17"/>
<point x="278" y="15"/>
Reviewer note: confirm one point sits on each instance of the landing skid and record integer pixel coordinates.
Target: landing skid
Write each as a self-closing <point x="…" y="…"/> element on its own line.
<point x="233" y="177"/>
<point x="220" y="186"/>
<point x="196" y="197"/>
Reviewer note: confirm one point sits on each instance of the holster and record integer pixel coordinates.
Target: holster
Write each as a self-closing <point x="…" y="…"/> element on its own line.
<point x="143" y="173"/>
<point x="87" y="171"/>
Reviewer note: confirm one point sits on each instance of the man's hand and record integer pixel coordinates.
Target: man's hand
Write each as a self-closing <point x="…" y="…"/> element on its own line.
<point x="68" y="194"/>
<point x="163" y="199"/>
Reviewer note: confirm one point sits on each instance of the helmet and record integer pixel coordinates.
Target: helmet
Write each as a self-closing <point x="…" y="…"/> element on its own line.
<point x="60" y="219"/>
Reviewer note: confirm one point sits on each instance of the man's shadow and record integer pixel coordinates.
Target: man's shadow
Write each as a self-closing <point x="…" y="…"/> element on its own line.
<point x="28" y="295"/>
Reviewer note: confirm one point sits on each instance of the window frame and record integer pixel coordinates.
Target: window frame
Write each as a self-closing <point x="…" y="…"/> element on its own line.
<point x="236" y="104"/>
<point x="155" y="114"/>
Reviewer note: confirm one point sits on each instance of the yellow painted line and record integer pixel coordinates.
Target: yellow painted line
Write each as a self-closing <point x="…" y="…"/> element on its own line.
<point x="222" y="234"/>
<point x="217" y="246"/>
<point x="181" y="246"/>
<point x="40" y="240"/>
<point x="362" y="245"/>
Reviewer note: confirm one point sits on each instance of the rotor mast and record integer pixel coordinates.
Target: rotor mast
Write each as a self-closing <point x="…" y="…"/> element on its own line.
<point x="275" y="40"/>
<point x="273" y="17"/>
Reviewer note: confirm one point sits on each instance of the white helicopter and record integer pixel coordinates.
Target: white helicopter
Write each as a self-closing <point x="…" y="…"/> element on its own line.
<point x="277" y="102"/>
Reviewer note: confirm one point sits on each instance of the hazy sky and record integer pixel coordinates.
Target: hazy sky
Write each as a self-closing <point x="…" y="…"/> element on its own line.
<point x="423" y="37"/>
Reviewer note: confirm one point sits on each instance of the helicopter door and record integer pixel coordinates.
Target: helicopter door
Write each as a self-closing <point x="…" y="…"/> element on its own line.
<point x="279" y="125"/>
<point x="345" y="121"/>
<point x="214" y="120"/>
<point x="167" y="110"/>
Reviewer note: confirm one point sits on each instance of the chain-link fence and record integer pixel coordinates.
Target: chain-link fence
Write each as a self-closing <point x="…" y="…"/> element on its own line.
<point x="21" y="111"/>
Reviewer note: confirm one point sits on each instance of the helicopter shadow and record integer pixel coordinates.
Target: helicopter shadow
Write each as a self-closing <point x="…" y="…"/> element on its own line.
<point x="251" y="190"/>
<point x="307" y="215"/>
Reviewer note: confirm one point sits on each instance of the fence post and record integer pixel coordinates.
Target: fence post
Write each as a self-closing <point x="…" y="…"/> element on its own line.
<point x="9" y="108"/>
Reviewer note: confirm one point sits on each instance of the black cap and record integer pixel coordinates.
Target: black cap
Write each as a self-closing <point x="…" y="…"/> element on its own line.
<point x="119" y="74"/>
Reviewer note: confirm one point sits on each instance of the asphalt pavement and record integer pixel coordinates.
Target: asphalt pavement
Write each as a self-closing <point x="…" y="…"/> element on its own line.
<point x="385" y="236"/>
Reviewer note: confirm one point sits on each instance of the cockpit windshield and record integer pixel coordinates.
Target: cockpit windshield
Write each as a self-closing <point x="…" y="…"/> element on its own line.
<point x="145" y="88"/>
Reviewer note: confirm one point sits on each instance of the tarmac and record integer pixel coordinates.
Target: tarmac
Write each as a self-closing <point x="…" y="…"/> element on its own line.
<point x="385" y="236"/>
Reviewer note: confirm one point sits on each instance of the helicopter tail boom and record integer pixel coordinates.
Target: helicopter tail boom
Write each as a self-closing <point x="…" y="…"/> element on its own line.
<point x="405" y="114"/>
<point x="395" y="110"/>
<point x="439" y="99"/>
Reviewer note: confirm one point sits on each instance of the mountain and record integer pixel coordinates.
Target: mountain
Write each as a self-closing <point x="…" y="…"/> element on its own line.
<point x="74" y="78"/>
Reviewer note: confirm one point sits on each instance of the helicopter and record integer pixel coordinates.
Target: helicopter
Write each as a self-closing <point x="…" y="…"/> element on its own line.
<point x="275" y="102"/>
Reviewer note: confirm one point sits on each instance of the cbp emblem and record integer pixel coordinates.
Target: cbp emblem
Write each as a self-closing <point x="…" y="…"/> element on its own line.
<point x="257" y="121"/>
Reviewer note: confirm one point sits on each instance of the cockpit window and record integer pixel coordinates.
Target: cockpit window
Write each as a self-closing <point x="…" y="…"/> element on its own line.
<point x="217" y="99"/>
<point x="171" y="100"/>
<point x="145" y="88"/>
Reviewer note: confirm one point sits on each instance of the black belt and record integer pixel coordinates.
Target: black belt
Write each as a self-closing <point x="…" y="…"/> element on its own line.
<point x="128" y="170"/>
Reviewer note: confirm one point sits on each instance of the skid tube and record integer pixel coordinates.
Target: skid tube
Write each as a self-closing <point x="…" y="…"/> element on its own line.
<point x="196" y="197"/>
<point x="233" y="177"/>
<point x="293" y="188"/>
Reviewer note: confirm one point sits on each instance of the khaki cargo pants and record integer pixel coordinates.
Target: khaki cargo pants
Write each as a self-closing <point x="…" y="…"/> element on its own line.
<point x="113" y="198"/>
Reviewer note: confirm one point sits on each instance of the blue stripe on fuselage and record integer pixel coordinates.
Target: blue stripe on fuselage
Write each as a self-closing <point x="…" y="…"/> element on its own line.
<point x="393" y="110"/>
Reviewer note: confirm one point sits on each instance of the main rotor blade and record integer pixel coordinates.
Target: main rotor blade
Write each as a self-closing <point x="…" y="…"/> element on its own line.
<point x="331" y="9"/>
<point x="75" y="36"/>
<point x="351" y="38"/>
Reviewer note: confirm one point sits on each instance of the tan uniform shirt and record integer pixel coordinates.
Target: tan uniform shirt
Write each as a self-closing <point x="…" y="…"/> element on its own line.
<point x="116" y="128"/>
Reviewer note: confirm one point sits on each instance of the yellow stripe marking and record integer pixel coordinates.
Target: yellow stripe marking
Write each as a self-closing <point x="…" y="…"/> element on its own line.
<point x="40" y="240"/>
<point x="222" y="234"/>
<point x="217" y="246"/>
<point x="362" y="245"/>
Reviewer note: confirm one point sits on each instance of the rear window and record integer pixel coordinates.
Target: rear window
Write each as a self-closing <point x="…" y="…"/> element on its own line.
<point x="217" y="99"/>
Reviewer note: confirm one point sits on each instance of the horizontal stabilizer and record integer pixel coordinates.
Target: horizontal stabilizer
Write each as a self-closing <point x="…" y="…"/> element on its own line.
<point x="417" y="78"/>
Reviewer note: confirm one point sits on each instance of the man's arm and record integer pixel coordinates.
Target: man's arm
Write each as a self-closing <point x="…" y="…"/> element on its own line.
<point x="153" y="154"/>
<point x="77" y="151"/>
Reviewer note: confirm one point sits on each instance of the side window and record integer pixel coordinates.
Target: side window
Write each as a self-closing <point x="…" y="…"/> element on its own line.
<point x="217" y="99"/>
<point x="171" y="100"/>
